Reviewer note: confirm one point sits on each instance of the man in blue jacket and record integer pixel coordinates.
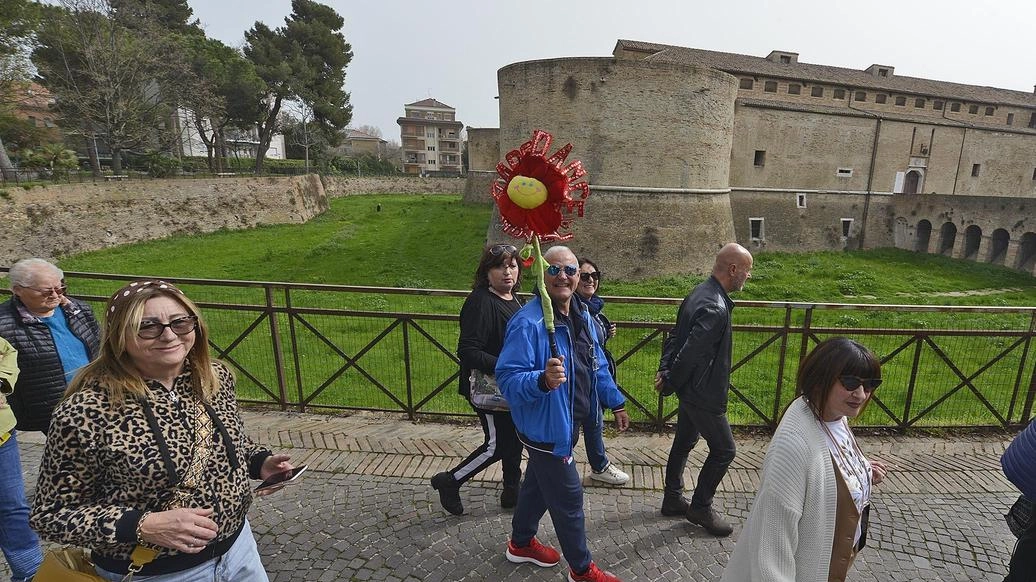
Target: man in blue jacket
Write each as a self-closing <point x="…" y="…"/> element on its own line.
<point x="549" y="398"/>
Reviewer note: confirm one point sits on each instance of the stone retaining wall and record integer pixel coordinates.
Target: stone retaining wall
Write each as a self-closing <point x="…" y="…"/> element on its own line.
<point x="347" y="186"/>
<point x="54" y="221"/>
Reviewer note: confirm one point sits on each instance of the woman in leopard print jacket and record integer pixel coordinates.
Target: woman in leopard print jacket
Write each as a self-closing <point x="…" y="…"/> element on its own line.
<point x="148" y="448"/>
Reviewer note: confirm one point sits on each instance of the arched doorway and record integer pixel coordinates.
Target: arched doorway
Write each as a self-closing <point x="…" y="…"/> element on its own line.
<point x="924" y="236"/>
<point x="1027" y="251"/>
<point x="998" y="251"/>
<point x="912" y="183"/>
<point x="947" y="236"/>
<point x="972" y="242"/>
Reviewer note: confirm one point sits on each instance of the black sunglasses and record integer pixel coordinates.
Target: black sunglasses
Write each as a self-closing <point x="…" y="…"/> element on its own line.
<point x="180" y="326"/>
<point x="584" y="277"/>
<point x="497" y="250"/>
<point x="853" y="382"/>
<point x="555" y="270"/>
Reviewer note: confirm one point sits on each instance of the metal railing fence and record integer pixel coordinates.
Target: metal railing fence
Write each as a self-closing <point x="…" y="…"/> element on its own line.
<point x="334" y="347"/>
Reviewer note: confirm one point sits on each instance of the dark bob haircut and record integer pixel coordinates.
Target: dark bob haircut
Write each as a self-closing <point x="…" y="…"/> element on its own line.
<point x="494" y="256"/>
<point x="833" y="357"/>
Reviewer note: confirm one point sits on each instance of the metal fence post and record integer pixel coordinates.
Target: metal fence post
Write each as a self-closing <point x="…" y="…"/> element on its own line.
<point x="278" y="356"/>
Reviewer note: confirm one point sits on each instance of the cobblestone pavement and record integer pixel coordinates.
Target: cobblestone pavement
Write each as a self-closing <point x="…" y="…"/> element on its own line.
<point x="367" y="512"/>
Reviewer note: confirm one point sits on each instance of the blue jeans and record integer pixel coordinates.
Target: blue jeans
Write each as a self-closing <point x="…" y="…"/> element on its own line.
<point x="20" y="545"/>
<point x="241" y="563"/>
<point x="552" y="484"/>
<point x="593" y="438"/>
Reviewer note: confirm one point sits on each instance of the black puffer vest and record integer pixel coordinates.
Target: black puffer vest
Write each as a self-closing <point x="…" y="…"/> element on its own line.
<point x="41" y="382"/>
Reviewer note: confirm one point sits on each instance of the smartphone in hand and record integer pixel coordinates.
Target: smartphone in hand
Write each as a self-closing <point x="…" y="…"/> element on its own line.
<point x="278" y="480"/>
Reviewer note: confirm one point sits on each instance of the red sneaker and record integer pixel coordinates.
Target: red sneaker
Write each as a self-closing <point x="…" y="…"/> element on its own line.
<point x="535" y="552"/>
<point x="593" y="574"/>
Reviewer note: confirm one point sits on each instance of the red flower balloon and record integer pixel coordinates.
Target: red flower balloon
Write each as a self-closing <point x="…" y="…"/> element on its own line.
<point x="533" y="191"/>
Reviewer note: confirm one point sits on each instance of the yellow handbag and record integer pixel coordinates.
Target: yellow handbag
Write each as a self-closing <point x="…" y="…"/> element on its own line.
<point x="71" y="564"/>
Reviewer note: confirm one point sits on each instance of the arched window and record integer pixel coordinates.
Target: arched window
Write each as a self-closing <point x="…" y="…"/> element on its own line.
<point x="947" y="236"/>
<point x="998" y="251"/>
<point x="924" y="236"/>
<point x="972" y="242"/>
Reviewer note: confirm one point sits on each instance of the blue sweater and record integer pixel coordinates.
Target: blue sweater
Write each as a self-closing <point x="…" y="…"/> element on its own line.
<point x="546" y="416"/>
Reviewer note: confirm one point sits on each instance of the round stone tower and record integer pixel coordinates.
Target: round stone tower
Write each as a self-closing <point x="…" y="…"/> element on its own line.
<point x="655" y="139"/>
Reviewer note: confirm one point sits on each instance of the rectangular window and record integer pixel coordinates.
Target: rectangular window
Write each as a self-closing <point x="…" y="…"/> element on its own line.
<point x="760" y="158"/>
<point x="746" y="83"/>
<point x="975" y="169"/>
<point x="938" y="105"/>
<point x="881" y="98"/>
<point x="800" y="199"/>
<point x="919" y="103"/>
<point x="861" y="96"/>
<point x="900" y="101"/>
<point x="785" y="59"/>
<point x="845" y="173"/>
<point x="770" y="86"/>
<point x="1010" y="119"/>
<point x="431" y="162"/>
<point x="431" y="148"/>
<point x="989" y="111"/>
<point x="817" y="91"/>
<point x="955" y="107"/>
<point x="839" y="93"/>
<point x="794" y="89"/>
<point x="755" y="225"/>
<point x="847" y="226"/>
<point x="973" y="109"/>
<point x="1032" y="120"/>
<point x="430" y="133"/>
<point x="1034" y="173"/>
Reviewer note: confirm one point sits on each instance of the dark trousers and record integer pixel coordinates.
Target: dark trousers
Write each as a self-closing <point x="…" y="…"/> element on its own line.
<point x="692" y="423"/>
<point x="552" y="484"/>
<point x="500" y="444"/>
<point x="1023" y="560"/>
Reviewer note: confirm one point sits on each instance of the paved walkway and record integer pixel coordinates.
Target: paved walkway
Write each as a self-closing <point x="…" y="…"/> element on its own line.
<point x="367" y="512"/>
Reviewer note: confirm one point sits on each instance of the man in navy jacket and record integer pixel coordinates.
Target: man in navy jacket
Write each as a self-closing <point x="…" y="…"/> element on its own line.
<point x="549" y="398"/>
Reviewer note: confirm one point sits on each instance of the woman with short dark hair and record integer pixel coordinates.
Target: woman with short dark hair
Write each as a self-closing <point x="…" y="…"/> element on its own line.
<point x="483" y="321"/>
<point x="809" y="518"/>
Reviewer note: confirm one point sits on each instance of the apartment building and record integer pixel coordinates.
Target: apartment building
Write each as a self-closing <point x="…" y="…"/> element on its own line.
<point x="430" y="136"/>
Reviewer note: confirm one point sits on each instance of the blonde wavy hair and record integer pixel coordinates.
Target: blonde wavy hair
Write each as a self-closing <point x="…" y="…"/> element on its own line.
<point x="113" y="370"/>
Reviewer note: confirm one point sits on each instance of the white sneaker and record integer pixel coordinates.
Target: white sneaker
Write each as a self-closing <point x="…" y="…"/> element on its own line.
<point x="611" y="475"/>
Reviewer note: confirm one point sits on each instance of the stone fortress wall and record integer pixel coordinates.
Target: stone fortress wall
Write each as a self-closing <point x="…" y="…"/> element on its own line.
<point x="806" y="157"/>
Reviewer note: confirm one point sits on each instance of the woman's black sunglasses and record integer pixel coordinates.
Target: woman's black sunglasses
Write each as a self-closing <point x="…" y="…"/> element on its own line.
<point x="584" y="277"/>
<point x="853" y="382"/>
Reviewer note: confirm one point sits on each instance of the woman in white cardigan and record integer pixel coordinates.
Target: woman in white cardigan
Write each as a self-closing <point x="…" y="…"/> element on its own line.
<point x="810" y="513"/>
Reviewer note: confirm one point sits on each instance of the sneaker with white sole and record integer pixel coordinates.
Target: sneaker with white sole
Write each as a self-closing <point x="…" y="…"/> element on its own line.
<point x="611" y="475"/>
<point x="534" y="553"/>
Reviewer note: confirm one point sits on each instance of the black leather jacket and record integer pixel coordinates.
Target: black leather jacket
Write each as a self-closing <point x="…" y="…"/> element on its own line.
<point x="697" y="362"/>
<point x="41" y="383"/>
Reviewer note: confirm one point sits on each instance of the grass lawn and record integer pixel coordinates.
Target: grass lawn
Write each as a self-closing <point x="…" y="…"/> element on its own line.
<point x="434" y="241"/>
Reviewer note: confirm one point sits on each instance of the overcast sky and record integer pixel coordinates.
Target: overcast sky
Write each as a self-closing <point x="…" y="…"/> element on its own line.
<point x="404" y="51"/>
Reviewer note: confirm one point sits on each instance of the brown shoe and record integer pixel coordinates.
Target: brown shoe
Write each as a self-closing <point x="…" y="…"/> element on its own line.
<point x="675" y="505"/>
<point x="709" y="519"/>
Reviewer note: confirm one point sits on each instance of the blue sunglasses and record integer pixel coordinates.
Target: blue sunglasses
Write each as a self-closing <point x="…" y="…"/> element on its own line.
<point x="555" y="270"/>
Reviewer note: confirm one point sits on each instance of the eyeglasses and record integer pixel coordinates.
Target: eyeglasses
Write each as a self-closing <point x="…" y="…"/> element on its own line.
<point x="49" y="291"/>
<point x="585" y="277"/>
<point x="555" y="270"/>
<point x="497" y="250"/>
<point x="853" y="382"/>
<point x="180" y="326"/>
